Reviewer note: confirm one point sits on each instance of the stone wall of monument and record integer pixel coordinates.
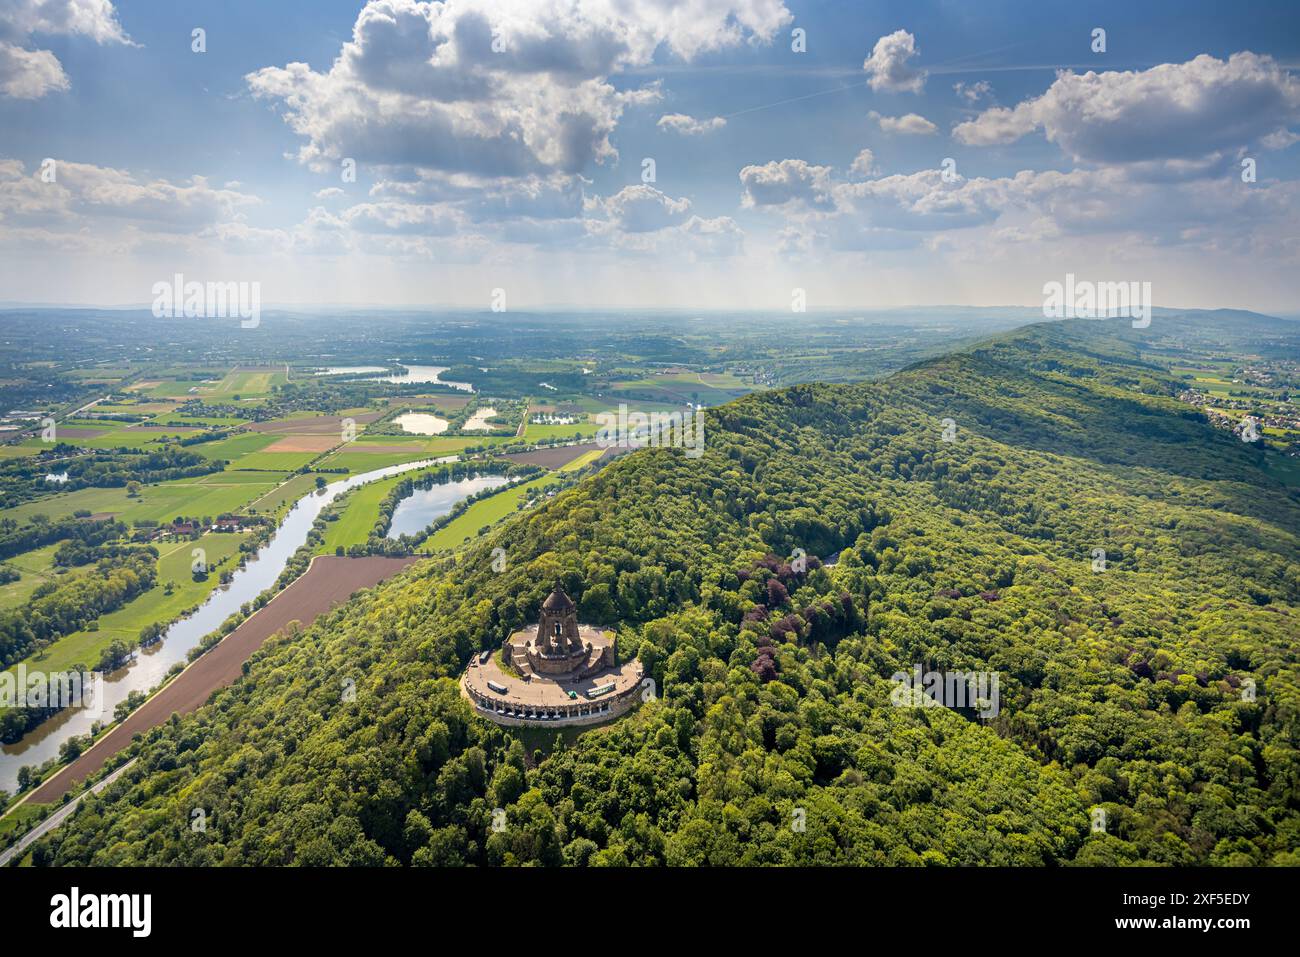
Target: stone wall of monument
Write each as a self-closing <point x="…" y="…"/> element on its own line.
<point x="575" y="713"/>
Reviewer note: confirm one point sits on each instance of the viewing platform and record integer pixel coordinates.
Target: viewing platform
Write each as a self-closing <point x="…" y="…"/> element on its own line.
<point x="562" y="673"/>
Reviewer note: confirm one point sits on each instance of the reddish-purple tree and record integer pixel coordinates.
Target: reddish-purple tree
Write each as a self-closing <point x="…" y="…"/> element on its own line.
<point x="776" y="594"/>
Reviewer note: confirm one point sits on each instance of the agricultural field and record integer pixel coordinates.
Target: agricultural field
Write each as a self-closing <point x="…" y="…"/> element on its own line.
<point x="170" y="388"/>
<point x="683" y="387"/>
<point x="248" y="382"/>
<point x="136" y="437"/>
<point x="274" y="461"/>
<point x="204" y="422"/>
<point x="280" y="497"/>
<point x="236" y="447"/>
<point x="213" y="495"/>
<point x="551" y="433"/>
<point x="586" y="458"/>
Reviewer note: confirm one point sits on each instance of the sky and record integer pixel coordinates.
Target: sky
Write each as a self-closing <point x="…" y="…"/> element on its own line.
<point x="702" y="154"/>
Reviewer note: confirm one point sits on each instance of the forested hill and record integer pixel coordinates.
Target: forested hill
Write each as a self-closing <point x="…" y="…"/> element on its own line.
<point x="1127" y="689"/>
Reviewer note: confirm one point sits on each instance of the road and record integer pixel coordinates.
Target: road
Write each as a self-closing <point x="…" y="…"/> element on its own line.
<point x="88" y="405"/>
<point x="58" y="817"/>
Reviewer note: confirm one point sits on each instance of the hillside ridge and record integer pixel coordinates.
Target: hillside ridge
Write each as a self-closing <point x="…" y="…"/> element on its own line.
<point x="1120" y="689"/>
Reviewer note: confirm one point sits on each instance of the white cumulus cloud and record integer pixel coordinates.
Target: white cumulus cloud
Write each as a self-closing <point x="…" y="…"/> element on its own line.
<point x="1195" y="112"/>
<point x="790" y="181"/>
<point x="888" y="66"/>
<point x="506" y="89"/>
<point x="910" y="124"/>
<point x="689" y="125"/>
<point x="864" y="164"/>
<point x="30" y="73"/>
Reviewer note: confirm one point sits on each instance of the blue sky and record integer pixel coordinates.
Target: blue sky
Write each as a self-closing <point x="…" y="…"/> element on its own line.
<point x="521" y="167"/>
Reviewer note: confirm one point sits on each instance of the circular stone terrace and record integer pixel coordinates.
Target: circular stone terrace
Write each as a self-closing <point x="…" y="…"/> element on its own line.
<point x="592" y="693"/>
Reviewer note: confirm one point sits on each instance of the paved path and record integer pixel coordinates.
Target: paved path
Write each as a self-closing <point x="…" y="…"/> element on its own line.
<point x="58" y="817"/>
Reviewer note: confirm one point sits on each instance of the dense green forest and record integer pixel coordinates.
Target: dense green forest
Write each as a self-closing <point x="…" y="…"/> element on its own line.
<point x="1163" y="689"/>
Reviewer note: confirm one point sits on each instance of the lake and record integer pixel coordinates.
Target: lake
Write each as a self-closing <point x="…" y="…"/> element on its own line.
<point x="421" y="423"/>
<point x="350" y="370"/>
<point x="424" y="506"/>
<point x="478" y="422"/>
<point x="424" y="374"/>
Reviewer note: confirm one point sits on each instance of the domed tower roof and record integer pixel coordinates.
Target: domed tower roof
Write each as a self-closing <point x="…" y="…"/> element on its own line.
<point x="558" y="601"/>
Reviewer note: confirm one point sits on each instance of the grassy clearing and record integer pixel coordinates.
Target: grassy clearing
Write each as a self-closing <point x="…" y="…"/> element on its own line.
<point x="27" y="811"/>
<point x="36" y="567"/>
<point x="358" y="517"/>
<point x="543" y="739"/>
<point x="539" y="433"/>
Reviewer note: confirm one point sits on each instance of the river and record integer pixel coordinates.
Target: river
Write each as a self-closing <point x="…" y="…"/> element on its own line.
<point x="151" y="664"/>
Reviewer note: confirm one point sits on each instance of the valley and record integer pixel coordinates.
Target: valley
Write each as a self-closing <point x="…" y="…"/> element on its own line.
<point x="951" y="513"/>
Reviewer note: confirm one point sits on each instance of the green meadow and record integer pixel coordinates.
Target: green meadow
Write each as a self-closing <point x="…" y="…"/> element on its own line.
<point x="546" y="433"/>
<point x="19" y="815"/>
<point x="36" y="567"/>
<point x="358" y="516"/>
<point x="274" y="461"/>
<point x="208" y="495"/>
<point x="174" y="565"/>
<point x="235" y="447"/>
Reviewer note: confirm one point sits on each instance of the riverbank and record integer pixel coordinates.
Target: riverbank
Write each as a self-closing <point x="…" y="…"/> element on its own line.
<point x="330" y="581"/>
<point x="250" y="585"/>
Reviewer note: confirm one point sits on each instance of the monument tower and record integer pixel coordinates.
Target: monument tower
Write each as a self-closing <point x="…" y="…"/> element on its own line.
<point x="557" y="631"/>
<point x="557" y="671"/>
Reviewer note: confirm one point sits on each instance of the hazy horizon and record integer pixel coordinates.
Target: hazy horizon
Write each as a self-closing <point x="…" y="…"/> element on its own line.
<point x="589" y="155"/>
